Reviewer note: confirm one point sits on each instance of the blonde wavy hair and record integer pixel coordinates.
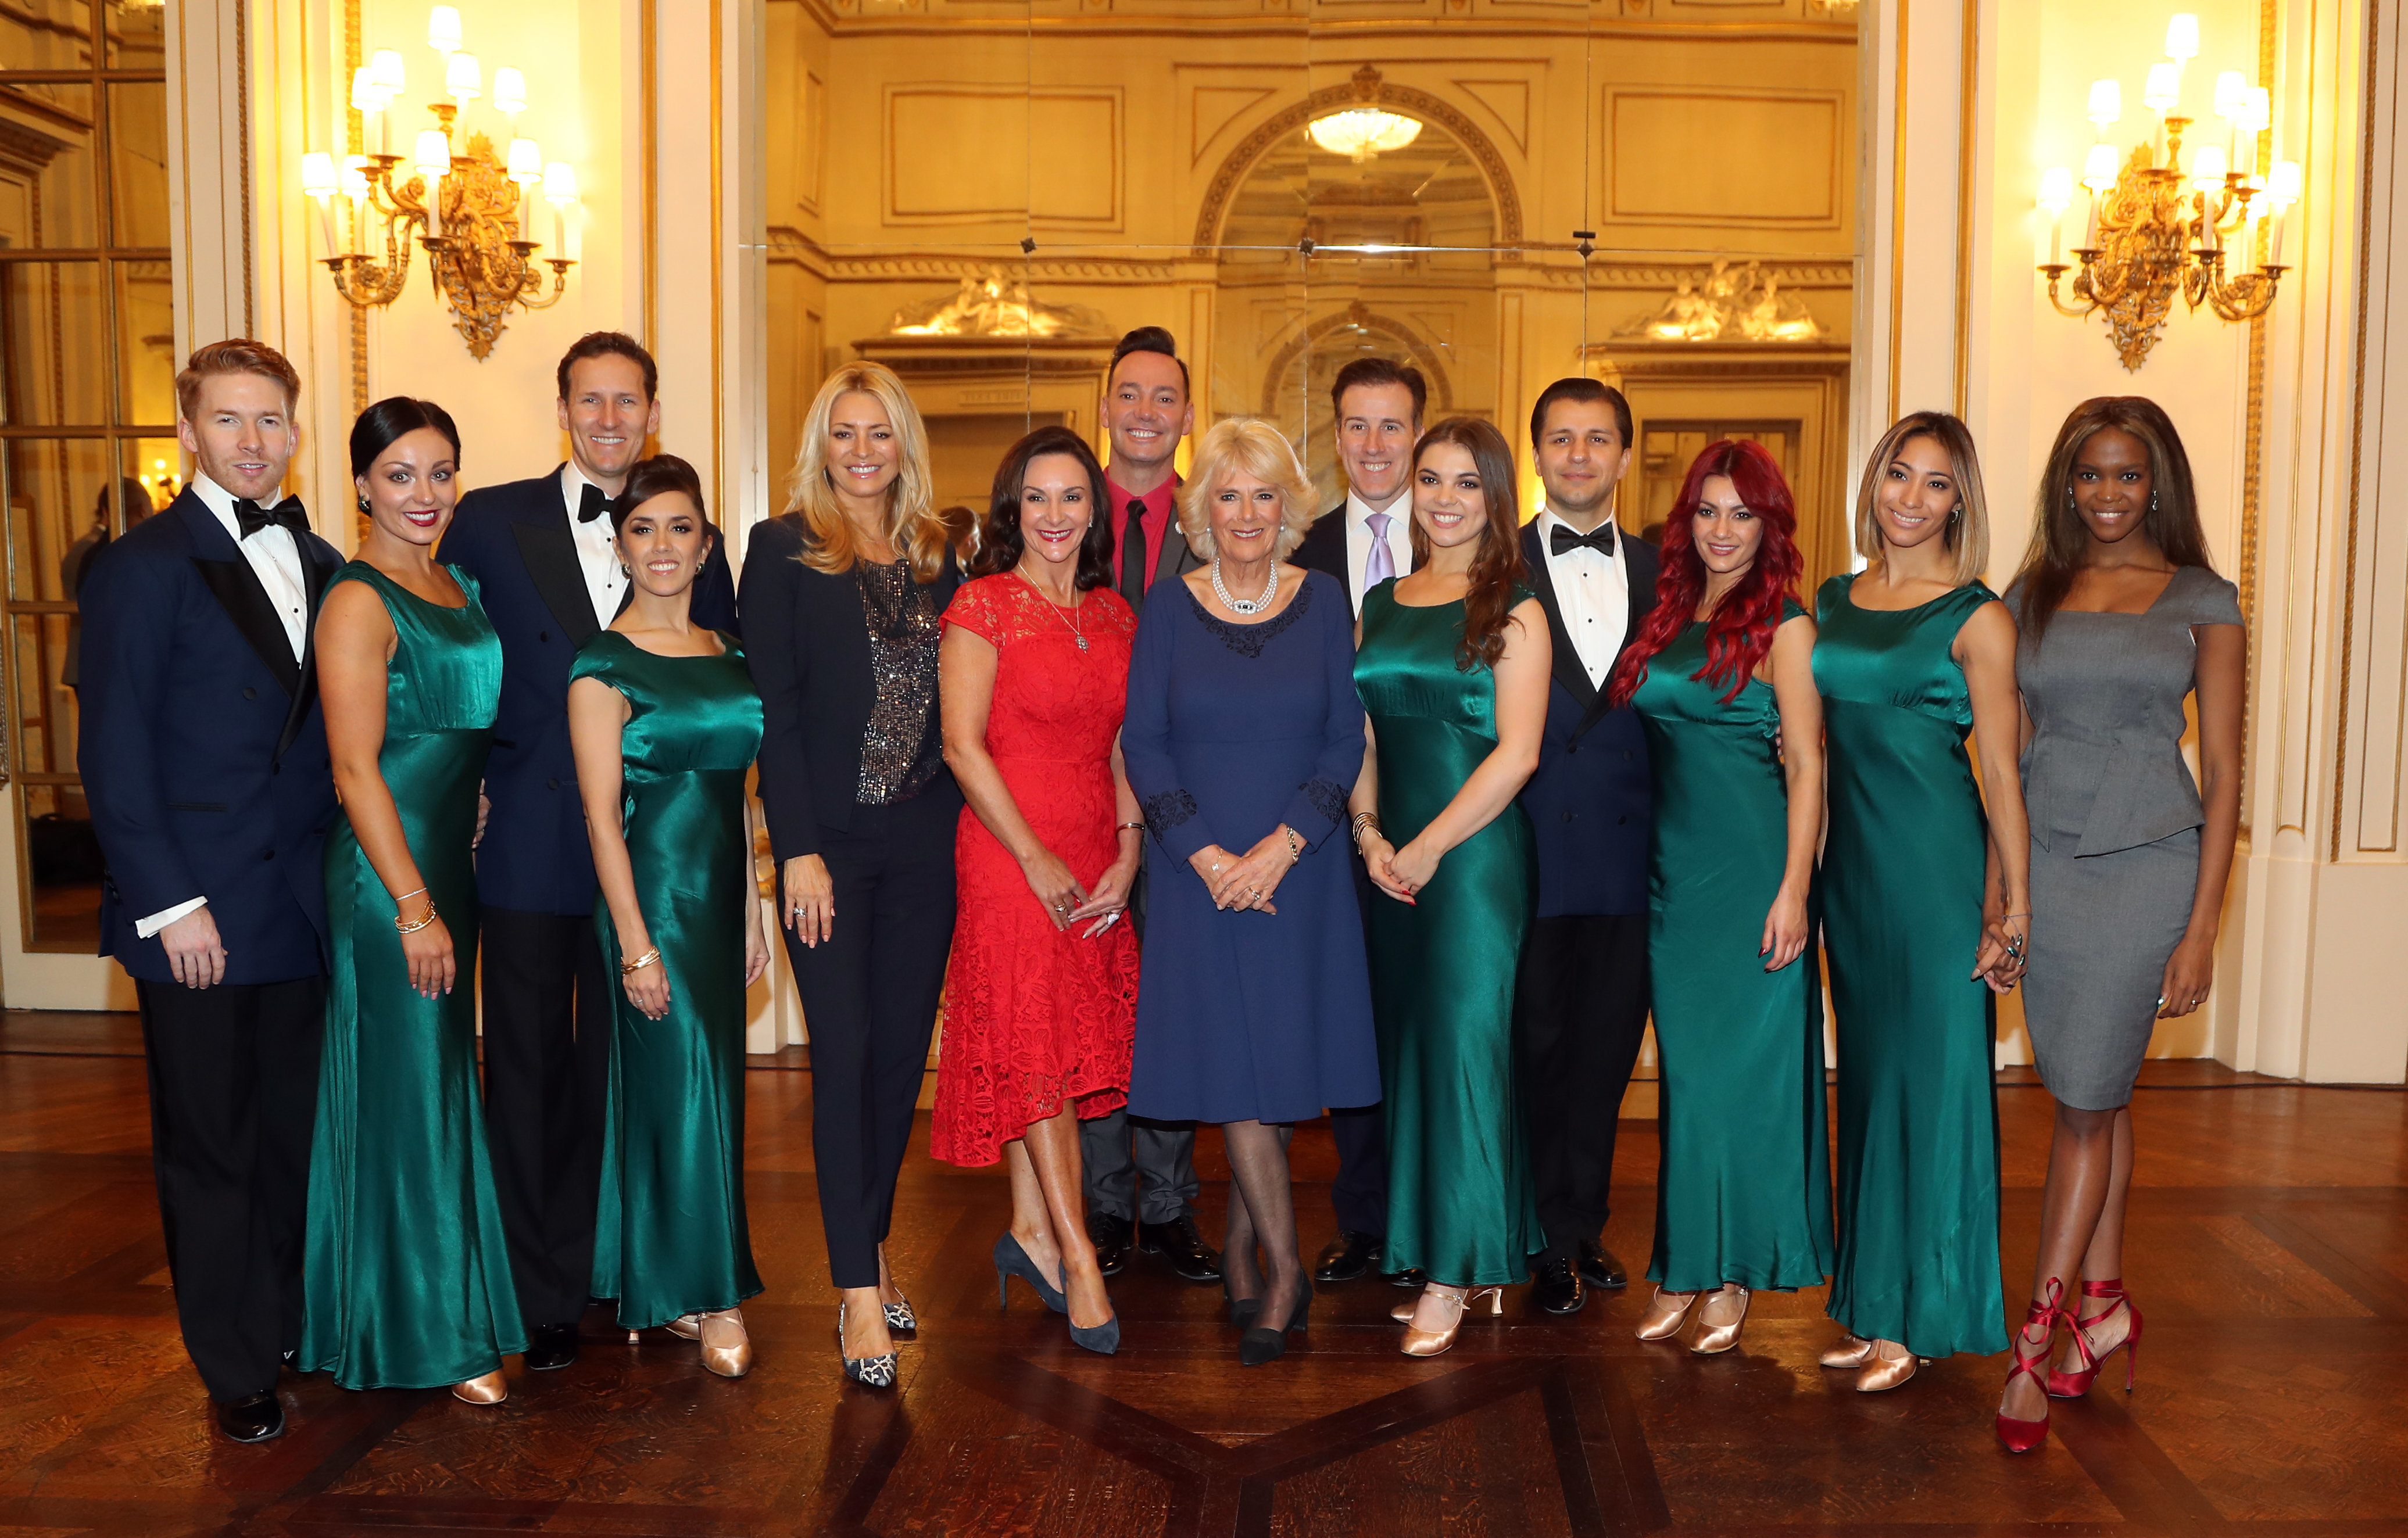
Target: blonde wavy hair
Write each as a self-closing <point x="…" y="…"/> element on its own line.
<point x="913" y="525"/>
<point x="1246" y="445"/>
<point x="1967" y="533"/>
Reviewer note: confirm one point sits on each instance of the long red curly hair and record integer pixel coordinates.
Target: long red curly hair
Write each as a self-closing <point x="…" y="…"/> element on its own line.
<point x="1739" y="636"/>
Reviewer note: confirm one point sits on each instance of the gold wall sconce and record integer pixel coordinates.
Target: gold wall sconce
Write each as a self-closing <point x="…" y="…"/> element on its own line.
<point x="2161" y="223"/>
<point x="472" y="210"/>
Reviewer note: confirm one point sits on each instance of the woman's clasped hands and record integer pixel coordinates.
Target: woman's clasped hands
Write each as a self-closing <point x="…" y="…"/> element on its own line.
<point x="1247" y="881"/>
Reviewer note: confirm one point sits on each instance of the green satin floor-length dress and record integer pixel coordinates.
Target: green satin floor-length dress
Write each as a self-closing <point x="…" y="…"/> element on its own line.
<point x="672" y="1237"/>
<point x="1901" y="897"/>
<point x="1461" y="1205"/>
<point x="405" y="1276"/>
<point x="1745" y="1192"/>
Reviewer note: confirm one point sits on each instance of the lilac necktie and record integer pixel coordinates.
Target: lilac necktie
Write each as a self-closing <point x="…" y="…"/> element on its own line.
<point x="1382" y="565"/>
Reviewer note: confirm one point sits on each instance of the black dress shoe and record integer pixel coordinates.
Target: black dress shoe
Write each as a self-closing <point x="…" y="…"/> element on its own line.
<point x="1557" y="1289"/>
<point x="1412" y="1276"/>
<point x="1350" y="1256"/>
<point x="1599" y="1268"/>
<point x="1111" y="1236"/>
<point x="551" y="1346"/>
<point x="258" y="1417"/>
<point x="1180" y="1243"/>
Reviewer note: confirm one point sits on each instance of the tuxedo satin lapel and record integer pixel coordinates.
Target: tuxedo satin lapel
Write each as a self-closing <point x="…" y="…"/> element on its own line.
<point x="1568" y="669"/>
<point x="550" y="557"/>
<point x="237" y="587"/>
<point x="322" y="563"/>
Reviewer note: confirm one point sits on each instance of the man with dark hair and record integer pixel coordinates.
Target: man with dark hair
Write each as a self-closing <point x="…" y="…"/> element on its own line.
<point x="1141" y="1174"/>
<point x="1581" y="1005"/>
<point x="1363" y="542"/>
<point x="540" y="550"/>
<point x="204" y="758"/>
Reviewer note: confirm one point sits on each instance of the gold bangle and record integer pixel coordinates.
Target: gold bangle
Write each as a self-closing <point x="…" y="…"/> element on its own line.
<point x="636" y="963"/>
<point x="412" y="929"/>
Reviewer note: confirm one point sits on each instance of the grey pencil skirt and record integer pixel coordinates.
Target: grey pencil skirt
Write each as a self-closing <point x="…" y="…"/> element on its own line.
<point x="2103" y="928"/>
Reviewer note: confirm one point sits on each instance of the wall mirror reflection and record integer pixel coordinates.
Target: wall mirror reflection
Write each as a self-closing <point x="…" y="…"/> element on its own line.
<point x="1658" y="193"/>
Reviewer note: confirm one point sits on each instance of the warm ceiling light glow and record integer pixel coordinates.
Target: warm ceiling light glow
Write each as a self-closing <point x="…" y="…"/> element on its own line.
<point x="2182" y="37"/>
<point x="1362" y="132"/>
<point x="2100" y="166"/>
<point x="2057" y="188"/>
<point x="2106" y="102"/>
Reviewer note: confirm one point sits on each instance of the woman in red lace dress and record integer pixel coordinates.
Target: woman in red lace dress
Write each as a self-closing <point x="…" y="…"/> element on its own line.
<point x="1041" y="999"/>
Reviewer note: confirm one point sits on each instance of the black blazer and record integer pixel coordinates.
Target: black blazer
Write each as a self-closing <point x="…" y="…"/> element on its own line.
<point x="514" y="540"/>
<point x="1324" y="548"/>
<point x="809" y="651"/>
<point x="1590" y="800"/>
<point x="203" y="749"/>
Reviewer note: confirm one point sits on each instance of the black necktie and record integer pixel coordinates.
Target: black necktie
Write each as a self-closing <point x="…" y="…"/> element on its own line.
<point x="249" y="517"/>
<point x="1599" y="539"/>
<point x="1133" y="555"/>
<point x="591" y="503"/>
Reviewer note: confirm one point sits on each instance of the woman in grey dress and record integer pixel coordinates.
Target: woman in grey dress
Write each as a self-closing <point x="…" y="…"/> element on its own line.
<point x="2122" y="618"/>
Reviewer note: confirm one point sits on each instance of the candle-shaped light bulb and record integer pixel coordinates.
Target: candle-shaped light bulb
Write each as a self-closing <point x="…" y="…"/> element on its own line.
<point x="2182" y="37"/>
<point x="464" y="80"/>
<point x="560" y="191"/>
<point x="2282" y="191"/>
<point x="510" y="91"/>
<point x="443" y="29"/>
<point x="2055" y="192"/>
<point x="2106" y="102"/>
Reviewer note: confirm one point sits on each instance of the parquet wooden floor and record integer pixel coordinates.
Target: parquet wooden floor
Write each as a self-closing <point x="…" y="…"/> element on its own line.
<point x="2270" y="1251"/>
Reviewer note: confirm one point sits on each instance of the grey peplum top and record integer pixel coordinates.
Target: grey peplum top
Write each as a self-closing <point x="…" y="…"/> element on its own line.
<point x="2104" y="770"/>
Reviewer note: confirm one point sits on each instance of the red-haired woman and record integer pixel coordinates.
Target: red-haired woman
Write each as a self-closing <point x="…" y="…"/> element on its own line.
<point x="1723" y="678"/>
<point x="1453" y="669"/>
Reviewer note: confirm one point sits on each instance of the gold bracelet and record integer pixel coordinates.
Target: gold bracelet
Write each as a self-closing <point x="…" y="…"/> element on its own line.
<point x="636" y="963"/>
<point x="1125" y="827"/>
<point x="1363" y="820"/>
<point x="412" y="929"/>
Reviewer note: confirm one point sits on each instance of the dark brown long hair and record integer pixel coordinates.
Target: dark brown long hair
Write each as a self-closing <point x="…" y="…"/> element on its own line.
<point x="2060" y="538"/>
<point x="1496" y="574"/>
<point x="1000" y="541"/>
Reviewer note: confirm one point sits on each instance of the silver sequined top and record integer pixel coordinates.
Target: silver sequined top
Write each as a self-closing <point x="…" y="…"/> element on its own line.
<point x="903" y="746"/>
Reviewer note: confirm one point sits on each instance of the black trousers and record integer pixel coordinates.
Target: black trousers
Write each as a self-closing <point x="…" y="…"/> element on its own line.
<point x="547" y="1092"/>
<point x="1579" y="1013"/>
<point x="1136" y="1167"/>
<point x="869" y="997"/>
<point x="234" y="1100"/>
<point x="1360" y="1195"/>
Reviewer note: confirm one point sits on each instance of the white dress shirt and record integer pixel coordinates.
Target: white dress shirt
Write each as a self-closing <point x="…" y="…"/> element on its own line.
<point x="1593" y="590"/>
<point x="277" y="558"/>
<point x="1359" y="541"/>
<point x="605" y="583"/>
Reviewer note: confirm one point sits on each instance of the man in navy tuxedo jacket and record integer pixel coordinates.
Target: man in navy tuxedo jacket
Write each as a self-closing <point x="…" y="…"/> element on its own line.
<point x="1363" y="542"/>
<point x="541" y="553"/>
<point x="204" y="760"/>
<point x="1580" y="1007"/>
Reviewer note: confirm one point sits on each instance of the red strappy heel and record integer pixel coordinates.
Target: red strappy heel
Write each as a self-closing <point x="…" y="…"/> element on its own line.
<point x="2075" y="1384"/>
<point x="2022" y="1436"/>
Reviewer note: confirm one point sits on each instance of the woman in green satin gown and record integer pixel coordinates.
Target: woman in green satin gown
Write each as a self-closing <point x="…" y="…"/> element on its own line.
<point x="405" y="1277"/>
<point x="664" y="723"/>
<point x="1451" y="662"/>
<point x="1722" y="677"/>
<point x="1912" y="652"/>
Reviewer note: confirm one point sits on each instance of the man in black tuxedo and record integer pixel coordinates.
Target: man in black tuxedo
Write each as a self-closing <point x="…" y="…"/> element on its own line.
<point x="1363" y="542"/>
<point x="204" y="758"/>
<point x="1581" y="1006"/>
<point x="1141" y="1174"/>
<point x="540" y="551"/>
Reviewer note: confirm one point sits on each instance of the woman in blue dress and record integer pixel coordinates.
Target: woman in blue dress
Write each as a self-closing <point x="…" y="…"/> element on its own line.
<point x="1244" y="738"/>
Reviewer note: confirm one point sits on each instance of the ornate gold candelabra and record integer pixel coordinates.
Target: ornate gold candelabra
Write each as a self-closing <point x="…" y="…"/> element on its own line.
<point x="2157" y="234"/>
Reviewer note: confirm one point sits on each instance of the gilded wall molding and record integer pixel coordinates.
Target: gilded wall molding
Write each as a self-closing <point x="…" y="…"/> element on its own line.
<point x="1418" y="102"/>
<point x="1425" y="356"/>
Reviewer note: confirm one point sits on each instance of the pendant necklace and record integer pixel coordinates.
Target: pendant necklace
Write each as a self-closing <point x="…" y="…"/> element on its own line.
<point x="1239" y="606"/>
<point x="1078" y="630"/>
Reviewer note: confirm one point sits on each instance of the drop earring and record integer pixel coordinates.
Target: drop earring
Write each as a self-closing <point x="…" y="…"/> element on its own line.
<point x="363" y="505"/>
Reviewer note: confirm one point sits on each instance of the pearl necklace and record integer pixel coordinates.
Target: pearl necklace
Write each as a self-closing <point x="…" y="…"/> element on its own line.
<point x="1240" y="605"/>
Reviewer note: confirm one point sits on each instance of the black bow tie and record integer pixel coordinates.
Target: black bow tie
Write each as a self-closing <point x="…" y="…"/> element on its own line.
<point x="1599" y="539"/>
<point x="591" y="503"/>
<point x="249" y="517"/>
